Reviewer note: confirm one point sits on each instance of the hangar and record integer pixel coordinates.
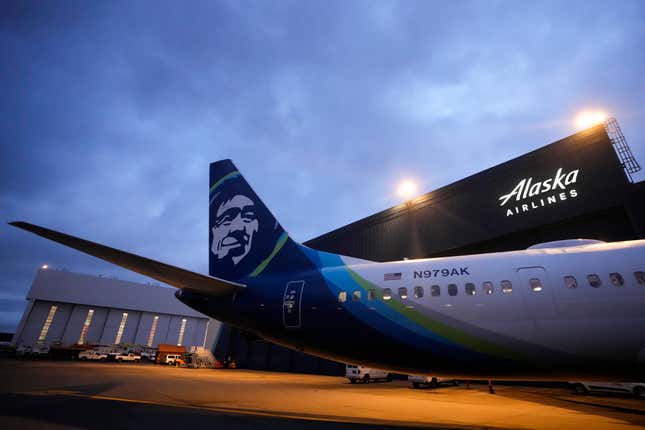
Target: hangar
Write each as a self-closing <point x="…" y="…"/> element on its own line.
<point x="577" y="187"/>
<point x="580" y="186"/>
<point x="66" y="308"/>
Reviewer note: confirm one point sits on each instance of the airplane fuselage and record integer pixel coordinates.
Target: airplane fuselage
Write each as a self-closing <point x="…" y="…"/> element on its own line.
<point x="571" y="309"/>
<point x="514" y="313"/>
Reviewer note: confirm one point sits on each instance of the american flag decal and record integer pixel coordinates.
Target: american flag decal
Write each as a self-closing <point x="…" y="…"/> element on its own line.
<point x="392" y="276"/>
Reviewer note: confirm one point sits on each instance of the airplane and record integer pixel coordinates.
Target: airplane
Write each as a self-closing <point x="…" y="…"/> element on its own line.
<point x="555" y="311"/>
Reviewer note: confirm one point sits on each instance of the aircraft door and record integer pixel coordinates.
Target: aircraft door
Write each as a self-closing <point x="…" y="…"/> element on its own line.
<point x="292" y="304"/>
<point x="536" y="292"/>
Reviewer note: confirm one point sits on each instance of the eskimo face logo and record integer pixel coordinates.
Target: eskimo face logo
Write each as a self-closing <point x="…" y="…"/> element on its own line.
<point x="236" y="222"/>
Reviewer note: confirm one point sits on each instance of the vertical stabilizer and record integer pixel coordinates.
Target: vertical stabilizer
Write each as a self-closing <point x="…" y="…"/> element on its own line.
<point x="244" y="237"/>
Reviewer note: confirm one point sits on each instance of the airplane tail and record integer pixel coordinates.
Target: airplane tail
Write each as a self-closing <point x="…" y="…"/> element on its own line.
<point x="245" y="239"/>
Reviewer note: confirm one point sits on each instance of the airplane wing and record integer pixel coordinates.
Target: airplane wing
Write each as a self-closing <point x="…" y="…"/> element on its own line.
<point x="163" y="272"/>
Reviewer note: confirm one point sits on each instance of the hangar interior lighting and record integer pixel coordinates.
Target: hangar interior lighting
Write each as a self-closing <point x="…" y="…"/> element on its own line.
<point x="119" y="333"/>
<point x="589" y="118"/>
<point x="182" y="329"/>
<point x="47" y="324"/>
<point x="407" y="189"/>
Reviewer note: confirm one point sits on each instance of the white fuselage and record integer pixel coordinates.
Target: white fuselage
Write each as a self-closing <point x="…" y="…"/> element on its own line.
<point x="538" y="307"/>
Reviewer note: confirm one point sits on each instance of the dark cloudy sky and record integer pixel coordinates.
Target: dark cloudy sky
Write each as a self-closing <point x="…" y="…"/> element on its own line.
<point x="111" y="111"/>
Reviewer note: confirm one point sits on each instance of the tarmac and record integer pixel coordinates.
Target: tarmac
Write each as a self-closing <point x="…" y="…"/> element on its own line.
<point x="71" y="395"/>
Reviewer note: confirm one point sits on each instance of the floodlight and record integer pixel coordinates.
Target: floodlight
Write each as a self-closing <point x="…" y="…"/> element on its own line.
<point x="589" y="118"/>
<point x="407" y="189"/>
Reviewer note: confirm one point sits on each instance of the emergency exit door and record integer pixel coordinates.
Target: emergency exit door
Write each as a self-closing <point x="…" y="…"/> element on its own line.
<point x="536" y="292"/>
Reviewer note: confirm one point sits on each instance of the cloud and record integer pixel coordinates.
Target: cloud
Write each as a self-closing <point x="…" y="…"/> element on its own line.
<point x="111" y="112"/>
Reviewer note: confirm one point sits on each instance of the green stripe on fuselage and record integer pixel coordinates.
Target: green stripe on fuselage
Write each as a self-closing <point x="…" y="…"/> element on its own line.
<point x="454" y="335"/>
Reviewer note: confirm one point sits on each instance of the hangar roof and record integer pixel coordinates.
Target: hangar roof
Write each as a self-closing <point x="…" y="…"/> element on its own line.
<point x="67" y="287"/>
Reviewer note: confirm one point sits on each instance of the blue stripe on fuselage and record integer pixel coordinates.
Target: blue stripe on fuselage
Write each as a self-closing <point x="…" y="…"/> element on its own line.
<point x="382" y="317"/>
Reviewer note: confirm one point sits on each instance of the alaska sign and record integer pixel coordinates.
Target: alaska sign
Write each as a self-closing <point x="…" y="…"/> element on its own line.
<point x="529" y="194"/>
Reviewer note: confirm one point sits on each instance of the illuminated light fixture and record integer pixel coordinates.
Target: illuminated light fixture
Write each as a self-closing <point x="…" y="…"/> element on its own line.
<point x="407" y="189"/>
<point x="44" y="266"/>
<point x="589" y="118"/>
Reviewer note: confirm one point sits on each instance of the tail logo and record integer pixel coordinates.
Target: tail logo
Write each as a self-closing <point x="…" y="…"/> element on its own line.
<point x="236" y="222"/>
<point x="244" y="237"/>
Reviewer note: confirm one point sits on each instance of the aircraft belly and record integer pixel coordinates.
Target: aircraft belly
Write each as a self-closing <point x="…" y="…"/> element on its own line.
<point x="613" y="339"/>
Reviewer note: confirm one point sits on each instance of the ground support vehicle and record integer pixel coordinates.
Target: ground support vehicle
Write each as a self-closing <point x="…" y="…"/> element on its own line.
<point x="29" y="351"/>
<point x="366" y="374"/>
<point x="200" y="357"/>
<point x="174" y="359"/>
<point x="585" y="387"/>
<point x="130" y="356"/>
<point x="419" y="381"/>
<point x="91" y="354"/>
<point x="149" y="355"/>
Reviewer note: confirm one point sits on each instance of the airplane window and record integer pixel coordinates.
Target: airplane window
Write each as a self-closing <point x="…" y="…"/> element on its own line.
<point x="342" y="296"/>
<point x="403" y="293"/>
<point x="418" y="292"/>
<point x="470" y="289"/>
<point x="640" y="277"/>
<point x="487" y="287"/>
<point x="371" y="294"/>
<point x="435" y="291"/>
<point x="452" y="289"/>
<point x="507" y="287"/>
<point x="387" y="294"/>
<point x="356" y="296"/>
<point x="616" y="279"/>
<point x="594" y="280"/>
<point x="536" y="285"/>
<point x="570" y="282"/>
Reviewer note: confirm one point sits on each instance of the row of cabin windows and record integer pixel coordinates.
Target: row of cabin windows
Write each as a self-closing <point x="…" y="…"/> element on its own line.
<point x="435" y="291"/>
<point x="615" y="279"/>
<point x="506" y="287"/>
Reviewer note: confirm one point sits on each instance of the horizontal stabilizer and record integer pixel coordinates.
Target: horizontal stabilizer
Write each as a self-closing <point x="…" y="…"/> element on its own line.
<point x="163" y="272"/>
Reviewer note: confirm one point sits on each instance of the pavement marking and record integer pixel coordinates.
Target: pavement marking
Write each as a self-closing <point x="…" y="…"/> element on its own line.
<point x="240" y="411"/>
<point x="598" y="405"/>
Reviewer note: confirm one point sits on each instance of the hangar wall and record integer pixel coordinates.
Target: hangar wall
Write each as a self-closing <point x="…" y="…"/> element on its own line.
<point x="576" y="187"/>
<point x="95" y="310"/>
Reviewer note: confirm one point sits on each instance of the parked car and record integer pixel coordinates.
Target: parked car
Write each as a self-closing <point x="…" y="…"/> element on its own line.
<point x="130" y="356"/>
<point x="23" y="350"/>
<point x="366" y="374"/>
<point x="419" y="381"/>
<point x="584" y="387"/>
<point x="92" y="354"/>
<point x="149" y="355"/>
<point x="35" y="351"/>
<point x="175" y="359"/>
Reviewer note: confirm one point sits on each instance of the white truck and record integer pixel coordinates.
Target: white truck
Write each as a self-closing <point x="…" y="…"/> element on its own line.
<point x="32" y="351"/>
<point x="366" y="374"/>
<point x="92" y="354"/>
<point x="174" y="359"/>
<point x="130" y="356"/>
<point x="584" y="387"/>
<point x="419" y="381"/>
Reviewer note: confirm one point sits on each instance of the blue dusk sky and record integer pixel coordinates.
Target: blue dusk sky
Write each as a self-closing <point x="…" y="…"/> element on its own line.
<point x="111" y="111"/>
